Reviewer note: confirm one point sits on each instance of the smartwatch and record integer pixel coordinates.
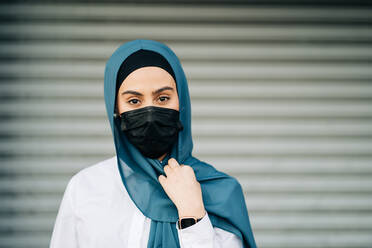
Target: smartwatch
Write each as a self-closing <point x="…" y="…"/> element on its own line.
<point x="187" y="221"/>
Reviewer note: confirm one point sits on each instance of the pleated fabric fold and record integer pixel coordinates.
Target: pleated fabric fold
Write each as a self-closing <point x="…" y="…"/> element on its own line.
<point x="163" y="234"/>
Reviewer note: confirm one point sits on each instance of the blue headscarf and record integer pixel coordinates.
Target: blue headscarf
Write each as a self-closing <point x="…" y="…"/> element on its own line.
<point x="222" y="194"/>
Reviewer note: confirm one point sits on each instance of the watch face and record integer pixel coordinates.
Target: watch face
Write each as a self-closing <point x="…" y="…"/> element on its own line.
<point x="186" y="222"/>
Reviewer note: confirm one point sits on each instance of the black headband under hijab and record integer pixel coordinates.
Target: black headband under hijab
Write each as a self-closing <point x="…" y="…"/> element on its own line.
<point x="138" y="59"/>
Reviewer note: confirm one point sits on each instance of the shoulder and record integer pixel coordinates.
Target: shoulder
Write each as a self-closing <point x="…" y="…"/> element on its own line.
<point x="101" y="177"/>
<point x="97" y="190"/>
<point x="207" y="172"/>
<point x="99" y="170"/>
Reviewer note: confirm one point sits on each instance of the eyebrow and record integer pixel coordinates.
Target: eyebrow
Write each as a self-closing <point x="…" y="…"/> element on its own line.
<point x="153" y="93"/>
<point x="162" y="89"/>
<point x="132" y="92"/>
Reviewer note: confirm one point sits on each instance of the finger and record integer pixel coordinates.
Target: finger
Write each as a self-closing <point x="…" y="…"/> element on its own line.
<point x="167" y="169"/>
<point x="173" y="163"/>
<point x="162" y="179"/>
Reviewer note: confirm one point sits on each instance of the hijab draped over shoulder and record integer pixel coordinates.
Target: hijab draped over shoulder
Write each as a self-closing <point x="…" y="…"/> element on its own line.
<point x="222" y="194"/>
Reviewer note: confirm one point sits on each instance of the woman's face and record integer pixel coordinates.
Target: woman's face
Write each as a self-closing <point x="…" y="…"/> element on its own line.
<point x="147" y="86"/>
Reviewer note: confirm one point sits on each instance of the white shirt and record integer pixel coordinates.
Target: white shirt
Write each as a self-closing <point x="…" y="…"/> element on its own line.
<point x="96" y="211"/>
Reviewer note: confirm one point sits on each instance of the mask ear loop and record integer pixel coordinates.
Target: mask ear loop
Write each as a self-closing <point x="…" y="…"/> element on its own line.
<point x="117" y="118"/>
<point x="116" y="111"/>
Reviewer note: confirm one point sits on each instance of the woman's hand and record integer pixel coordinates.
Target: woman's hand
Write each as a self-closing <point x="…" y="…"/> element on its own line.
<point x="183" y="189"/>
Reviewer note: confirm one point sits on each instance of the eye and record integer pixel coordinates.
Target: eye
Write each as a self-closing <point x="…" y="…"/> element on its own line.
<point x="163" y="98"/>
<point x="133" y="101"/>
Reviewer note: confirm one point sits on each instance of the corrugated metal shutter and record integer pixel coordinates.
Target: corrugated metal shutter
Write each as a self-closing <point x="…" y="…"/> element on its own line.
<point x="281" y="99"/>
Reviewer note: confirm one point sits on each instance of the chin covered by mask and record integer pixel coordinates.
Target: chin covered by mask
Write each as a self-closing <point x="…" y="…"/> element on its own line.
<point x="152" y="130"/>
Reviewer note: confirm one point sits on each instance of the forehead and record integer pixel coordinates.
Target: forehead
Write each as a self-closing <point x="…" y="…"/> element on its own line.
<point x="149" y="77"/>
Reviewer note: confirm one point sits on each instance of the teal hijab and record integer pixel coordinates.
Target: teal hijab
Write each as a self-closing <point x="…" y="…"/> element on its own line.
<point x="222" y="194"/>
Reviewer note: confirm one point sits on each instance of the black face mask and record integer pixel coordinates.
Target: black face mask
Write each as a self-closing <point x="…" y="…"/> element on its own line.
<point x="152" y="130"/>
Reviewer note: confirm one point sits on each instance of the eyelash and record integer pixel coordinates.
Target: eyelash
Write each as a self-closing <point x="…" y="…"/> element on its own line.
<point x="131" y="101"/>
<point x="166" y="98"/>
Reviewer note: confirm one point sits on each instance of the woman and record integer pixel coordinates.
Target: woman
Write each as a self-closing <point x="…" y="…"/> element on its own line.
<point x="153" y="193"/>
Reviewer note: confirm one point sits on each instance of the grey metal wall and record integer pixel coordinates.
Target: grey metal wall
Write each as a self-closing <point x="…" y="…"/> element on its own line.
<point x="281" y="99"/>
